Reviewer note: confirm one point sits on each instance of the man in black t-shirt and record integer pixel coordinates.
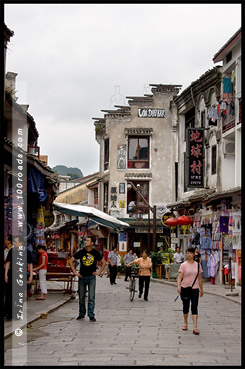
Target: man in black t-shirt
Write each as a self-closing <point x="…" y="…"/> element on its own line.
<point x="87" y="277"/>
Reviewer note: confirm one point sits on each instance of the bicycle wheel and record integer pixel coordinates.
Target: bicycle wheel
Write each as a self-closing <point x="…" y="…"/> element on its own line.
<point x="132" y="289"/>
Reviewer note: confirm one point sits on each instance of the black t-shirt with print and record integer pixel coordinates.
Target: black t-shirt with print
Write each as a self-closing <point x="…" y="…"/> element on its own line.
<point x="88" y="261"/>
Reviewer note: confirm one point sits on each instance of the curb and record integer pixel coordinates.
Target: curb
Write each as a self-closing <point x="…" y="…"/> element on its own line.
<point x="208" y="292"/>
<point x="37" y="316"/>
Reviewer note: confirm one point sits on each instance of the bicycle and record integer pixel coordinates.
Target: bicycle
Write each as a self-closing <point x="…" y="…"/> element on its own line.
<point x="132" y="283"/>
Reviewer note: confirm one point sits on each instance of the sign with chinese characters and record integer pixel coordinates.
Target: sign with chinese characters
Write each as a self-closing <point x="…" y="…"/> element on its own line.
<point x="195" y="155"/>
<point x="151" y="113"/>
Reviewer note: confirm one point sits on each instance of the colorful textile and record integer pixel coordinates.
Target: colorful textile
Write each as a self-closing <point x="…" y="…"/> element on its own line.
<point x="227" y="85"/>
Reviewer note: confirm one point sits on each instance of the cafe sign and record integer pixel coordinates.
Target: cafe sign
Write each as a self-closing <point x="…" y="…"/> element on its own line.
<point x="151" y="113"/>
<point x="195" y="157"/>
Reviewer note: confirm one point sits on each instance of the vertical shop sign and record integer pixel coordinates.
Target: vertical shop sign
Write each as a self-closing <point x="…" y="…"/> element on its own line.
<point x="195" y="155"/>
<point x="121" y="156"/>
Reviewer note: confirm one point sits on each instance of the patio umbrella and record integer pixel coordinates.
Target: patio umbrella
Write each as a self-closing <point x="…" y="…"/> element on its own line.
<point x="92" y="213"/>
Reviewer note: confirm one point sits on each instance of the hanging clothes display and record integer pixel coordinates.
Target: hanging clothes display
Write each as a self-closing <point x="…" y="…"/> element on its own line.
<point x="213" y="116"/>
<point x="232" y="108"/>
<point x="224" y="221"/>
<point x="205" y="243"/>
<point x="227" y="85"/>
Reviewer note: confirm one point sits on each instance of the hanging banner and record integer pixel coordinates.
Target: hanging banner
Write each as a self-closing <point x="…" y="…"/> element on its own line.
<point x="195" y="157"/>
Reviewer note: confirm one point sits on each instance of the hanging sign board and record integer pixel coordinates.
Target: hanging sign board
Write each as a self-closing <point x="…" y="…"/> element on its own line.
<point x="195" y="157"/>
<point x="151" y="113"/>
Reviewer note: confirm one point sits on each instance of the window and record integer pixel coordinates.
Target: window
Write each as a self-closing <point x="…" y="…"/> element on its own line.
<point x="189" y="120"/>
<point x="106" y="154"/>
<point x="203" y="119"/>
<point x="106" y="196"/>
<point x="138" y="152"/>
<point x="133" y="196"/>
<point x="96" y="196"/>
<point x="214" y="159"/>
<point x="228" y="57"/>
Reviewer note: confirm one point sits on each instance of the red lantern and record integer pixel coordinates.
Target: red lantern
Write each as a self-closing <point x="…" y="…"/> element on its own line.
<point x="172" y="222"/>
<point x="184" y="220"/>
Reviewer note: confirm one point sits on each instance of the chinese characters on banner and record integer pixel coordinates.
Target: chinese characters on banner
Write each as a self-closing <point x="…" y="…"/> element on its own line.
<point x="195" y="153"/>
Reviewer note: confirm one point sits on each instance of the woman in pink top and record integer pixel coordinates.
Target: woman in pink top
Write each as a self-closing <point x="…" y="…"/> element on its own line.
<point x="145" y="265"/>
<point x="42" y="271"/>
<point x="189" y="292"/>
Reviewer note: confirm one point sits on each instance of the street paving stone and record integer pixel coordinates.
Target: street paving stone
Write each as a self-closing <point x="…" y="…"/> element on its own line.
<point x="135" y="333"/>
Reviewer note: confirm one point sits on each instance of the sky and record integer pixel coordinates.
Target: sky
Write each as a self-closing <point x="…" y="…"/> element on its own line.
<point x="70" y="58"/>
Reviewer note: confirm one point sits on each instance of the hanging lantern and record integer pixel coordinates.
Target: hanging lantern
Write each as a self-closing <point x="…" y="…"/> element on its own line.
<point x="172" y="223"/>
<point x="184" y="221"/>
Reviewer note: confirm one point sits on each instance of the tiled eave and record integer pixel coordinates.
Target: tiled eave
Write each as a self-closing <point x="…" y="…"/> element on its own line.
<point x="31" y="159"/>
<point x="220" y="55"/>
<point x="205" y="196"/>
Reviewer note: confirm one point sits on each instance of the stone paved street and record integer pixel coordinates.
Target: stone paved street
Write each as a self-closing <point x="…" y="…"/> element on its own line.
<point x="132" y="333"/>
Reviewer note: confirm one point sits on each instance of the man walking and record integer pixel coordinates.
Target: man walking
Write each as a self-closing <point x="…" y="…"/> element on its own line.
<point x="87" y="277"/>
<point x="112" y="258"/>
<point x="127" y="259"/>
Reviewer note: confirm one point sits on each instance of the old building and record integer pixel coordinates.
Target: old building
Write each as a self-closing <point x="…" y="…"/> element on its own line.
<point x="209" y="163"/>
<point x="138" y="156"/>
<point x="29" y="187"/>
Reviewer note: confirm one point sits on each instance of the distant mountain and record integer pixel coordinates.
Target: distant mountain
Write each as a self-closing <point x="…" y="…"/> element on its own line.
<point x="74" y="173"/>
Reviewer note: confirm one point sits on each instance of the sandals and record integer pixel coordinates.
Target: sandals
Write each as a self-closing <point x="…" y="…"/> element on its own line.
<point x="184" y="328"/>
<point x="196" y="331"/>
<point x="40" y="298"/>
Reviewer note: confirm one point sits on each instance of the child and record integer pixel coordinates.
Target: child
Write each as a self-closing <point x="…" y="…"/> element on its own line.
<point x="42" y="271"/>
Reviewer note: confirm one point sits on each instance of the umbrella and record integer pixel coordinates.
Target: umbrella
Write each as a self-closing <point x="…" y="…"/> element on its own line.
<point x="96" y="215"/>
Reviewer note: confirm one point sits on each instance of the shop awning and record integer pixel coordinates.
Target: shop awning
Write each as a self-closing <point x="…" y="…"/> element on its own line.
<point x="96" y="215"/>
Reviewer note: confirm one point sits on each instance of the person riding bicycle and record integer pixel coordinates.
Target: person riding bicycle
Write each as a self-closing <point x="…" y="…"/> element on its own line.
<point x="145" y="265"/>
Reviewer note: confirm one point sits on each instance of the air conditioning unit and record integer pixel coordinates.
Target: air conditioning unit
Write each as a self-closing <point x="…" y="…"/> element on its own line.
<point x="229" y="148"/>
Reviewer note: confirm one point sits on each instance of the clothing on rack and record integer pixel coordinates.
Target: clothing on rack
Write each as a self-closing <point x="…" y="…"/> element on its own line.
<point x="232" y="108"/>
<point x="205" y="273"/>
<point x="227" y="85"/>
<point x="224" y="221"/>
<point x="205" y="243"/>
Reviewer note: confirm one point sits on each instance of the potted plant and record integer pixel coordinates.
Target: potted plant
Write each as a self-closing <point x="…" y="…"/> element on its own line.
<point x="156" y="258"/>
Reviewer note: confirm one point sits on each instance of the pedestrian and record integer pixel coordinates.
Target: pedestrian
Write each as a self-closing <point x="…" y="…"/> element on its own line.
<point x="135" y="256"/>
<point x="7" y="246"/>
<point x="189" y="282"/>
<point x="178" y="256"/>
<point x="106" y="253"/>
<point x="197" y="255"/>
<point x="42" y="271"/>
<point x="127" y="259"/>
<point x="15" y="280"/>
<point x="112" y="257"/>
<point x="145" y="265"/>
<point x="119" y="264"/>
<point x="88" y="257"/>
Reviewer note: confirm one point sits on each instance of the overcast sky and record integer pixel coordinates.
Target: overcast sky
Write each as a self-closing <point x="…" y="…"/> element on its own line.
<point x="70" y="57"/>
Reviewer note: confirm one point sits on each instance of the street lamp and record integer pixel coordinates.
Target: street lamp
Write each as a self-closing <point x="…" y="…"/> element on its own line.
<point x="153" y="210"/>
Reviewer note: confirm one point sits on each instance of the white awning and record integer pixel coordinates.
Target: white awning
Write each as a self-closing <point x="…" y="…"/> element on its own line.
<point x="96" y="215"/>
